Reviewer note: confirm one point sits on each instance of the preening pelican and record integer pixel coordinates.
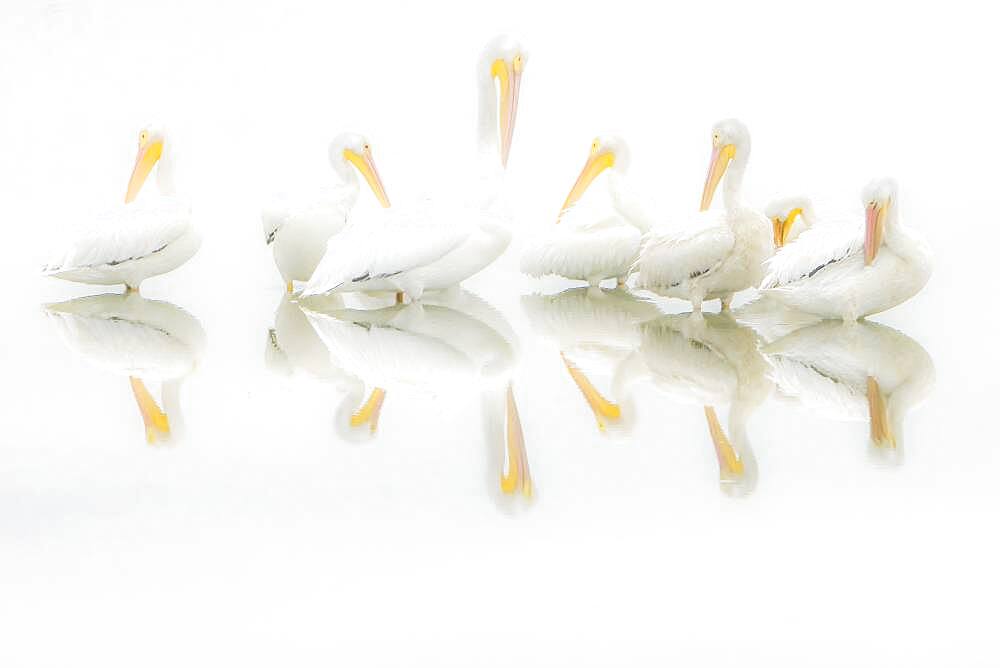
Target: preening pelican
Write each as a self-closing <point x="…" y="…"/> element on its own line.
<point x="140" y="239"/>
<point x="143" y="339"/>
<point x="298" y="228"/>
<point x="716" y="254"/>
<point x="784" y="213"/>
<point x="595" y="330"/>
<point x="707" y="361"/>
<point x="434" y="246"/>
<point x="869" y="373"/>
<point x="848" y="272"/>
<point x="598" y="236"/>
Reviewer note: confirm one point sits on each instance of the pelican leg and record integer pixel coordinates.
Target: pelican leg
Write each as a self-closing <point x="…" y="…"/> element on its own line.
<point x="878" y="414"/>
<point x="696" y="303"/>
<point x="399" y="297"/>
<point x="131" y="289"/>
<point x="370" y="410"/>
<point x="155" y="420"/>
<point x="289" y="287"/>
<point x="601" y="407"/>
<point x="726" y="302"/>
<point x="620" y="282"/>
<point x="730" y="463"/>
<point x="514" y="476"/>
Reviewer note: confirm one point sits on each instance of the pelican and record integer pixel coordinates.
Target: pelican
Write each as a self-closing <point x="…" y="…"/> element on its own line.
<point x="717" y="254"/>
<point x="850" y="271"/>
<point x="595" y="331"/>
<point x="869" y="373"/>
<point x="597" y="237"/>
<point x="143" y="339"/>
<point x="297" y="229"/>
<point x="140" y="239"/>
<point x="439" y="350"/>
<point x="784" y="213"/>
<point x="409" y="250"/>
<point x="707" y="361"/>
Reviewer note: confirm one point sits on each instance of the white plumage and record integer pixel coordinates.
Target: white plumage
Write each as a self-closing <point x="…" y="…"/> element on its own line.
<point x="716" y="254"/>
<point x="136" y="240"/>
<point x="436" y="245"/>
<point x="850" y="271"/>
<point x="298" y="227"/>
<point x="598" y="233"/>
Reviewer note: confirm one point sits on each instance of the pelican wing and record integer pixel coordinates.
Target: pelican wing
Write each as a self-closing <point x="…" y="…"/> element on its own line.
<point x="670" y="258"/>
<point x="128" y="232"/>
<point x="827" y="247"/>
<point x="379" y="247"/>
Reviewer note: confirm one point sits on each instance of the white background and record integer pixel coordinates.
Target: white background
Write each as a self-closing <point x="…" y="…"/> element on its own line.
<point x="262" y="539"/>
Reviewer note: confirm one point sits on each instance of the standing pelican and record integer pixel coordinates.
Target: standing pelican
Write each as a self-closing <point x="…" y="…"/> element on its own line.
<point x="707" y="361"/>
<point x="139" y="338"/>
<point x="595" y="330"/>
<point x="596" y="237"/>
<point x="850" y="272"/>
<point x="297" y="229"/>
<point x="411" y="249"/>
<point x="715" y="255"/>
<point x="140" y="239"/>
<point x="869" y="373"/>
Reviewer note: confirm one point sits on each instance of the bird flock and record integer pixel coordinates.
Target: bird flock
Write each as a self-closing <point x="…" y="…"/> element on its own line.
<point x="806" y="270"/>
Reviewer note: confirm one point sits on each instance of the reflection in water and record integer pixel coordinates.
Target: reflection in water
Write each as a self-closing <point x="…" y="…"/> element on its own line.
<point x="293" y="346"/>
<point x="708" y="360"/>
<point x="144" y="339"/>
<point x="595" y="330"/>
<point x="855" y="371"/>
<point x="439" y="346"/>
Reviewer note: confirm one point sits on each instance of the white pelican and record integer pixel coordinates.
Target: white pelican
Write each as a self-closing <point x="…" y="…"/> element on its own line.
<point x="595" y="331"/>
<point x="424" y="348"/>
<point x="143" y="339"/>
<point x="595" y="237"/>
<point x="784" y="213"/>
<point x="869" y="373"/>
<point x="297" y="229"/>
<point x="139" y="239"/>
<point x="848" y="272"/>
<point x="717" y="254"/>
<point x="707" y="361"/>
<point x="408" y="250"/>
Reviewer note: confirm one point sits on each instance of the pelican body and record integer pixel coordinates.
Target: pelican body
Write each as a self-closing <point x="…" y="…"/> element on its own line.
<point x="716" y="254"/>
<point x="849" y="272"/>
<point x="298" y="229"/>
<point x="595" y="237"/>
<point x="139" y="239"/>
<point x="433" y="246"/>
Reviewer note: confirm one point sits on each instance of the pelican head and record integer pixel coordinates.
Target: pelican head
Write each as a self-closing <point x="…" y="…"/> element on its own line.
<point x="500" y="67"/>
<point x="879" y="198"/>
<point x="783" y="213"/>
<point x="730" y="141"/>
<point x="349" y="150"/>
<point x="152" y="145"/>
<point x="605" y="153"/>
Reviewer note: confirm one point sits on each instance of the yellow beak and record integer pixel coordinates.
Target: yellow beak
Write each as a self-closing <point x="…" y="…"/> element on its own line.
<point x="721" y="156"/>
<point x="782" y="228"/>
<point x="148" y="154"/>
<point x="596" y="163"/>
<point x="508" y="76"/>
<point x="366" y="165"/>
<point x="874" y="230"/>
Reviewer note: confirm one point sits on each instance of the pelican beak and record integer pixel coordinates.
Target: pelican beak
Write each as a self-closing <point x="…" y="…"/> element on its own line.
<point x="782" y="228"/>
<point x="149" y="153"/>
<point x="366" y="165"/>
<point x="721" y="156"/>
<point x="508" y="76"/>
<point x="596" y="163"/>
<point x="874" y="229"/>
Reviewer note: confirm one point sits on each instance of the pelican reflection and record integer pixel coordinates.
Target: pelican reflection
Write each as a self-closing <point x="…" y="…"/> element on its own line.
<point x="711" y="361"/>
<point x="143" y="339"/>
<point x="595" y="331"/>
<point x="861" y="371"/>
<point x="441" y="346"/>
